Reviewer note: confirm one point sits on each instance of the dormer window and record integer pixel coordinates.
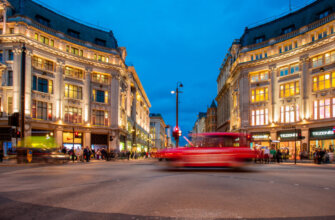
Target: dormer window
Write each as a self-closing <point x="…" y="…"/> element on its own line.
<point x="42" y="20"/>
<point x="324" y="14"/>
<point x="73" y="33"/>
<point x="288" y="29"/>
<point x="259" y="39"/>
<point x="100" y="42"/>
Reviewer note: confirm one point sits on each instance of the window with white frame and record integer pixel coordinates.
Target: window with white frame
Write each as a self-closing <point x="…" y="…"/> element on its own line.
<point x="289" y="113"/>
<point x="259" y="117"/>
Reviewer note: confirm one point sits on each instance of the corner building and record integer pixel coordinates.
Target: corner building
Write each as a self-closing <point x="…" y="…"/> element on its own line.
<point x="76" y="81"/>
<point x="277" y="81"/>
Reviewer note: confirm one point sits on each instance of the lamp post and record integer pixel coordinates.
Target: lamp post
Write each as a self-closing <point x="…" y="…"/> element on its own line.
<point x="179" y="85"/>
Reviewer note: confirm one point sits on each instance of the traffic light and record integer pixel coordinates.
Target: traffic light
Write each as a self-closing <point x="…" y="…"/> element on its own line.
<point x="300" y="137"/>
<point x="18" y="134"/>
<point x="13" y="120"/>
<point x="176" y="133"/>
<point x="76" y="134"/>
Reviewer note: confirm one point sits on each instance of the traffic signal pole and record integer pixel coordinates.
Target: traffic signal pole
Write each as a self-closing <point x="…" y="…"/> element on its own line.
<point x="177" y="137"/>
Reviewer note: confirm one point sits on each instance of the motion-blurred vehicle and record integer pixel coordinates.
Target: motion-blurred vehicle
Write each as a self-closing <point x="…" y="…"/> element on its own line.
<point x="43" y="149"/>
<point x="211" y="150"/>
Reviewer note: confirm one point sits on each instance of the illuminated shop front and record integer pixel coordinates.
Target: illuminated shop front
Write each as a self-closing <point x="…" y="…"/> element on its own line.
<point x="99" y="141"/>
<point x="68" y="141"/>
<point x="289" y="142"/>
<point x="323" y="138"/>
<point x="260" y="139"/>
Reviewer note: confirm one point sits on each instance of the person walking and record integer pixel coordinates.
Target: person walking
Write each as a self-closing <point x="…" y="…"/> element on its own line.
<point x="266" y="155"/>
<point x="278" y="155"/>
<point x="71" y="153"/>
<point x="87" y="154"/>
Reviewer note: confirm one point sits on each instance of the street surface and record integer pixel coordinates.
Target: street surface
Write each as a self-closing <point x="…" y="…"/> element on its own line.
<point x="141" y="190"/>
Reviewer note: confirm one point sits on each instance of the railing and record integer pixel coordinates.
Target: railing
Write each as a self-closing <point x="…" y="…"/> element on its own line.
<point x="292" y="34"/>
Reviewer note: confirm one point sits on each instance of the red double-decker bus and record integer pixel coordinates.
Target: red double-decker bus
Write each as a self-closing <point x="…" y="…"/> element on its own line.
<point x="211" y="150"/>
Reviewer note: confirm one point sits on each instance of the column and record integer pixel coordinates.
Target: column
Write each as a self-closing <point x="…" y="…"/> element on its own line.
<point x="4" y="14"/>
<point x="16" y="79"/>
<point x="87" y="138"/>
<point x="58" y="134"/>
<point x="306" y="87"/>
<point x="59" y="90"/>
<point x="87" y="95"/>
<point x="244" y="99"/>
<point x="115" y="100"/>
<point x="128" y="104"/>
<point x="274" y="114"/>
<point x="28" y="88"/>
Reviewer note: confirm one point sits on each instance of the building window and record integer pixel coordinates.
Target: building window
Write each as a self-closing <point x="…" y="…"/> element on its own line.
<point x="10" y="105"/>
<point x="100" y="118"/>
<point x="42" y="85"/>
<point x="100" y="96"/>
<point x="289" y="89"/>
<point x="1" y="56"/>
<point x="43" y="64"/>
<point x="73" y="33"/>
<point x="323" y="81"/>
<point x="259" y="94"/>
<point x="324" y="108"/>
<point x="288" y="29"/>
<point x="100" y="42"/>
<point x="288" y="47"/>
<point x="259" y="39"/>
<point x="72" y="91"/>
<point x="9" y="78"/>
<point x="259" y="117"/>
<point x="284" y="71"/>
<point x="260" y="76"/>
<point x="324" y="14"/>
<point x="73" y="114"/>
<point x="289" y="113"/>
<point x="41" y="110"/>
<point x="317" y="61"/>
<point x="101" y="58"/>
<point x="44" y="40"/>
<point x="330" y="57"/>
<point x="42" y="20"/>
<point x="10" y="55"/>
<point x="294" y="68"/>
<point x="74" y="72"/>
<point x="100" y="78"/>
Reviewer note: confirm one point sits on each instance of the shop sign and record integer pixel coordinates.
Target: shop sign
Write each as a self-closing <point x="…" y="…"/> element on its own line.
<point x="289" y="135"/>
<point x="322" y="133"/>
<point x="260" y="136"/>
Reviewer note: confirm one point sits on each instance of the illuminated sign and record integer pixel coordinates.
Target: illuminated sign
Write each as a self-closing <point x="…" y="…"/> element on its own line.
<point x="289" y="135"/>
<point x="322" y="133"/>
<point x="260" y="136"/>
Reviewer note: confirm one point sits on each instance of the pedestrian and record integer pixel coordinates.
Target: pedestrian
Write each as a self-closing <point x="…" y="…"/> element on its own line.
<point x="87" y="154"/>
<point x="72" y="154"/>
<point x="128" y="154"/>
<point x="64" y="150"/>
<point x="278" y="155"/>
<point x="266" y="155"/>
<point x="273" y="154"/>
<point x="1" y="155"/>
<point x="81" y="155"/>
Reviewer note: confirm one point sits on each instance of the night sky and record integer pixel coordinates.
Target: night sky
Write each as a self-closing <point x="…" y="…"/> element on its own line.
<point x="175" y="40"/>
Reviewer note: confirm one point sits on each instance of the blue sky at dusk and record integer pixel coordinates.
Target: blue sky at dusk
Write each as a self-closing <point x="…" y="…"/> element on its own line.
<point x="175" y="40"/>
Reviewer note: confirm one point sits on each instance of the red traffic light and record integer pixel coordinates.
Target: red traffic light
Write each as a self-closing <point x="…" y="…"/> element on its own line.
<point x="76" y="134"/>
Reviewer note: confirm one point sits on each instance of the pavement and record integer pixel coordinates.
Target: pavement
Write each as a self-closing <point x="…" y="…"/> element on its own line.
<point x="140" y="189"/>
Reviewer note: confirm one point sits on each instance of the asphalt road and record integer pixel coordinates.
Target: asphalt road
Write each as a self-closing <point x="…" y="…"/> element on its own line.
<point x="141" y="190"/>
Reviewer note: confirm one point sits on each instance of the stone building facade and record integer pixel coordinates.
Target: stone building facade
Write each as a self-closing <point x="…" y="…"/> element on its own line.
<point x="211" y="118"/>
<point x="76" y="81"/>
<point x="158" y="131"/>
<point x="277" y="81"/>
<point x="200" y="123"/>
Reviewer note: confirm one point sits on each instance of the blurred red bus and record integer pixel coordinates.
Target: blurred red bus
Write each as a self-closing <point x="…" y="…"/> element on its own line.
<point x="211" y="150"/>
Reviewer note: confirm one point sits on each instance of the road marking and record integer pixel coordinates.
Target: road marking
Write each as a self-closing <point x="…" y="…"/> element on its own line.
<point x="326" y="188"/>
<point x="272" y="181"/>
<point x="296" y="184"/>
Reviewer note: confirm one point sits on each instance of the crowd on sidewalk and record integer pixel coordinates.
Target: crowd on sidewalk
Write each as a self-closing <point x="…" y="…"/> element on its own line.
<point x="264" y="155"/>
<point x="86" y="154"/>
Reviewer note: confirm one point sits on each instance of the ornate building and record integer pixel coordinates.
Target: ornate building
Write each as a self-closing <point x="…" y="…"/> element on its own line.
<point x="200" y="123"/>
<point x="76" y="81"/>
<point x="158" y="127"/>
<point x="211" y="118"/>
<point x="277" y="81"/>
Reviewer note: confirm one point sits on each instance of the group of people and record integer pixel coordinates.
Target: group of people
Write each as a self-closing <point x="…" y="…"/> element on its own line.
<point x="78" y="154"/>
<point x="274" y="155"/>
<point x="322" y="156"/>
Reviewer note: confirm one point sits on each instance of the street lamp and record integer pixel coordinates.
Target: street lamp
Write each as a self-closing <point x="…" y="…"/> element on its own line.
<point x="179" y="85"/>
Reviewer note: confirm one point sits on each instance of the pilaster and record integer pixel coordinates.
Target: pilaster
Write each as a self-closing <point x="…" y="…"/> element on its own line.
<point x="305" y="84"/>
<point x="115" y="97"/>
<point x="16" y="79"/>
<point x="274" y="94"/>
<point x="28" y="86"/>
<point x="59" y="89"/>
<point x="87" y="95"/>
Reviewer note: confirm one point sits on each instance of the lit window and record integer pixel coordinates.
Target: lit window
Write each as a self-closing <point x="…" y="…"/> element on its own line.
<point x="322" y="109"/>
<point x="315" y="110"/>
<point x="317" y="61"/>
<point x="259" y="117"/>
<point x="289" y="113"/>
<point x="327" y="108"/>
